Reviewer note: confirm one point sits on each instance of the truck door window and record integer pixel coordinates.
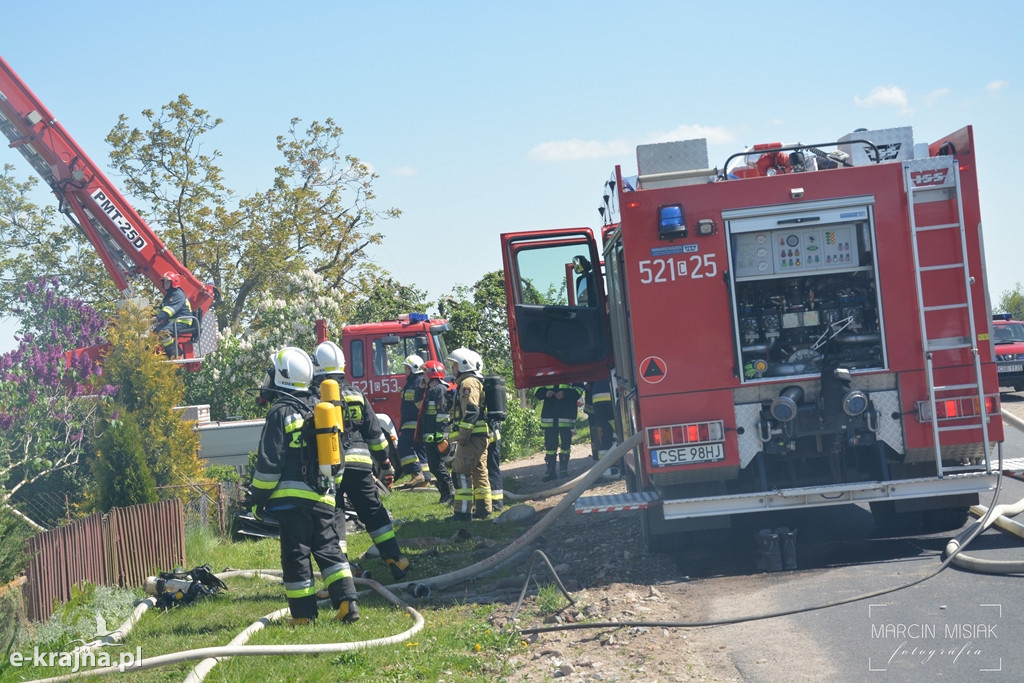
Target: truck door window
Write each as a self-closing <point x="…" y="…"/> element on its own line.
<point x="389" y="353"/>
<point x="546" y="276"/>
<point x="356" y="366"/>
<point x="380" y="358"/>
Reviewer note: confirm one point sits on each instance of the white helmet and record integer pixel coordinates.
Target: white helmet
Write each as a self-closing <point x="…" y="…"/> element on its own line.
<point x="328" y="359"/>
<point x="415" y="364"/>
<point x="462" y="360"/>
<point x="293" y="369"/>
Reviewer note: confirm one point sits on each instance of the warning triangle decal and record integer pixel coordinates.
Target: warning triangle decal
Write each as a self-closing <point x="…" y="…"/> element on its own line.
<point x="653" y="369"/>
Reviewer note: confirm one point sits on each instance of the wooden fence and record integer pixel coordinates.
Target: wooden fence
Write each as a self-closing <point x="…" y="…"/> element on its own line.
<point x="120" y="548"/>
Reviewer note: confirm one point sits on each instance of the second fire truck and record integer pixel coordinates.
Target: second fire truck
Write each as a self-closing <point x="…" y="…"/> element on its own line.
<point x="806" y="326"/>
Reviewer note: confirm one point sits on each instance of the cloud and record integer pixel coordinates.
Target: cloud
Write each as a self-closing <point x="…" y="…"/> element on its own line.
<point x="890" y="96"/>
<point x="996" y="86"/>
<point x="576" y="149"/>
<point x="405" y="171"/>
<point x="935" y="95"/>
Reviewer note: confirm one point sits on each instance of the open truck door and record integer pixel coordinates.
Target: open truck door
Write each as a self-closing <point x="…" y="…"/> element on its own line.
<point x="557" y="317"/>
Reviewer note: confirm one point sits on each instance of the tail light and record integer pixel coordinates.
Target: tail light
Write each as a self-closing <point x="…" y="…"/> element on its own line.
<point x="957" y="408"/>
<point x="683" y="434"/>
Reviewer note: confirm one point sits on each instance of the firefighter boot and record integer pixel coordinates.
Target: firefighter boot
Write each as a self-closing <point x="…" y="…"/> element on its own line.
<point x="348" y="611"/>
<point x="551" y="465"/>
<point x="447" y="489"/>
<point x="481" y="510"/>
<point x="300" y="621"/>
<point x="399" y="566"/>
<point x="769" y="554"/>
<point x="415" y="481"/>
<point x="787" y="539"/>
<point x="563" y="464"/>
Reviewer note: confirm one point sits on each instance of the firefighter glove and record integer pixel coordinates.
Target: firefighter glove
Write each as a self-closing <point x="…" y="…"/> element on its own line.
<point x="387" y="475"/>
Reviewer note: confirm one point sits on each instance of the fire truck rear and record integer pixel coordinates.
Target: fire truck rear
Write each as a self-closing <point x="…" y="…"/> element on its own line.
<point x="375" y="354"/>
<point x="806" y="326"/>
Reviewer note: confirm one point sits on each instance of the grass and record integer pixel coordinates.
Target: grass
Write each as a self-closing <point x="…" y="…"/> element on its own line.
<point x="458" y="641"/>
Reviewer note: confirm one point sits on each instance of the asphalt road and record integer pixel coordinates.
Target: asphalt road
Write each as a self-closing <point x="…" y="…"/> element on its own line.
<point x="956" y="625"/>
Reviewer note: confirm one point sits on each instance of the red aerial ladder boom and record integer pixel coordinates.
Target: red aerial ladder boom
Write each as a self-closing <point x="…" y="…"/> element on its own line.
<point x="128" y="247"/>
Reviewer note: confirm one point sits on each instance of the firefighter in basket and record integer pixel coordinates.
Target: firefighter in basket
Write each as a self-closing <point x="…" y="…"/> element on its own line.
<point x="290" y="482"/>
<point x="469" y="415"/>
<point x="363" y="443"/>
<point x="558" y="419"/>
<point x="434" y="427"/>
<point x="410" y="450"/>
<point x="174" y="315"/>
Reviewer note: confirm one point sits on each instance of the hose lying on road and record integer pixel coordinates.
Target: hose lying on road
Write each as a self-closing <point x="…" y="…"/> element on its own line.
<point x="953" y="551"/>
<point x="992" y="516"/>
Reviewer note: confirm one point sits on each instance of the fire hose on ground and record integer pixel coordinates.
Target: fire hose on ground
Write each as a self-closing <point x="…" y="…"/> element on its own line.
<point x="209" y="656"/>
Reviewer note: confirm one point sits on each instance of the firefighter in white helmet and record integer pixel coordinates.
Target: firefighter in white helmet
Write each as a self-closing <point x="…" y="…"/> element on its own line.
<point x="288" y="482"/>
<point x="410" y="447"/>
<point x="363" y="444"/>
<point x="469" y="416"/>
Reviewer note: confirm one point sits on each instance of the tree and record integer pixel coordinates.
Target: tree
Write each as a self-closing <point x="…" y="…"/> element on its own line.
<point x="148" y="390"/>
<point x="1012" y="303"/>
<point x="121" y="475"/>
<point x="47" y="406"/>
<point x="317" y="215"/>
<point x="230" y="376"/>
<point x="387" y="300"/>
<point x="34" y="245"/>
<point x="479" y="321"/>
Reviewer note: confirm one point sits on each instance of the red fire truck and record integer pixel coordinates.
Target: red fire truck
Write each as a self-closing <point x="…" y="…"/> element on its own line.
<point x="806" y="326"/>
<point x="128" y="247"/>
<point x="375" y="354"/>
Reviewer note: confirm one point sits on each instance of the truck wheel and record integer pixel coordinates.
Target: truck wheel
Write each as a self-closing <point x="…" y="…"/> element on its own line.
<point x="892" y="523"/>
<point x="1019" y="386"/>
<point x="945" y="519"/>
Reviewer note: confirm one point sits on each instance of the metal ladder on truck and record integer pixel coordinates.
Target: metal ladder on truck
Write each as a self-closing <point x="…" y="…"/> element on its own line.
<point x="930" y="180"/>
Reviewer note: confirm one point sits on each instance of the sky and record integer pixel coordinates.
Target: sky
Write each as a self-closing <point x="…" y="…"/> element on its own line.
<point x="489" y="117"/>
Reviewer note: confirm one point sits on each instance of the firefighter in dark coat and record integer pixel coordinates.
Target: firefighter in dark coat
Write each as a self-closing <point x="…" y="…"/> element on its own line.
<point x="288" y="483"/>
<point x="410" y="449"/>
<point x="597" y="404"/>
<point x="173" y="316"/>
<point x="434" y="427"/>
<point x="558" y="419"/>
<point x="363" y="444"/>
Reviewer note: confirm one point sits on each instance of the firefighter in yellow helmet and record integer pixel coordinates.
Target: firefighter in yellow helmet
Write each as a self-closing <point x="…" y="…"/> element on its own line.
<point x="469" y="416"/>
<point x="288" y="483"/>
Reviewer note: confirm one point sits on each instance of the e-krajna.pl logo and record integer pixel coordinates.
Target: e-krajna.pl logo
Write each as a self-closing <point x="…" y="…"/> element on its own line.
<point x="77" y="659"/>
